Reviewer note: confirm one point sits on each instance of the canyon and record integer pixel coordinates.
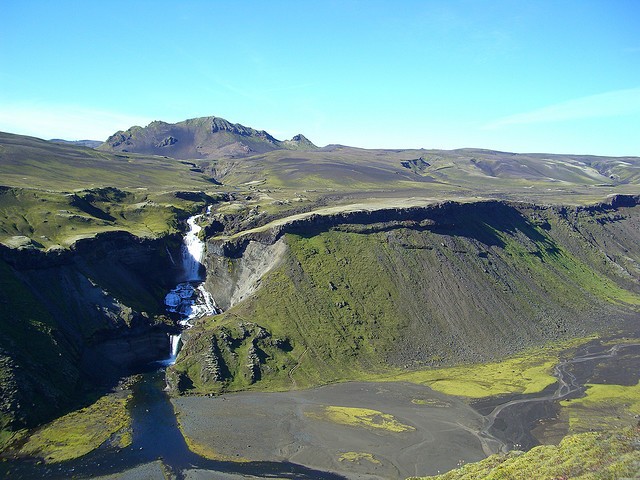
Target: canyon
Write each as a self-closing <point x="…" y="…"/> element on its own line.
<point x="339" y="275"/>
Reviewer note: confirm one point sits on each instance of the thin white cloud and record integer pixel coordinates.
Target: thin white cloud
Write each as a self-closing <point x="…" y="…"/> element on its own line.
<point x="64" y="121"/>
<point x="609" y="104"/>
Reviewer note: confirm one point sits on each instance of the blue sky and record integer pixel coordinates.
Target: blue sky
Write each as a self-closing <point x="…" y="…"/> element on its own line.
<point x="558" y="76"/>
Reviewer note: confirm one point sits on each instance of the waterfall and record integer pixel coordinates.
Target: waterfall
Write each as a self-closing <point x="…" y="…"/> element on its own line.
<point x="189" y="299"/>
<point x="192" y="251"/>
<point x="174" y="341"/>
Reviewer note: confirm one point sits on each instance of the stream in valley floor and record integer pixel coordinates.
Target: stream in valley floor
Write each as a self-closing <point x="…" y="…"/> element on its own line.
<point x="508" y="423"/>
<point x="156" y="435"/>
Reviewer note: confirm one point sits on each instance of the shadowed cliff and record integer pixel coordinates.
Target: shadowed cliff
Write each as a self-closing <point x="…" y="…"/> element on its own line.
<point x="73" y="320"/>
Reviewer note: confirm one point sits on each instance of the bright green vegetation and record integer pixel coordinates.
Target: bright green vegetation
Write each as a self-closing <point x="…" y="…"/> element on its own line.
<point x="560" y="270"/>
<point x="80" y="432"/>
<point x="586" y="456"/>
<point x="293" y="302"/>
<point x="515" y="375"/>
<point x="602" y="407"/>
<point x="356" y="457"/>
<point x="360" y="417"/>
<point x="43" y="219"/>
<point x="528" y="372"/>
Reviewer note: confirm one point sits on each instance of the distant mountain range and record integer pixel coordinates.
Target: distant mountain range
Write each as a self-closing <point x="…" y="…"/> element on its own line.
<point x="80" y="143"/>
<point x="204" y="137"/>
<point x="213" y="146"/>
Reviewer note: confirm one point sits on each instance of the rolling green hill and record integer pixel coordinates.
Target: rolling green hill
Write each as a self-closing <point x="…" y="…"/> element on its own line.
<point x="52" y="195"/>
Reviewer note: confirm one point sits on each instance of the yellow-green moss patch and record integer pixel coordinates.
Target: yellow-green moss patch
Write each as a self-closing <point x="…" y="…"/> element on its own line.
<point x="603" y="407"/>
<point x="515" y="375"/>
<point x="592" y="456"/>
<point x="360" y="417"/>
<point x="82" y="431"/>
<point x="430" y="402"/>
<point x="529" y="372"/>
<point x="356" y="457"/>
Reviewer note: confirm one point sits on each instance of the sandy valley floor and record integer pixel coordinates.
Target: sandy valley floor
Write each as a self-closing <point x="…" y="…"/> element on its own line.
<point x="361" y="430"/>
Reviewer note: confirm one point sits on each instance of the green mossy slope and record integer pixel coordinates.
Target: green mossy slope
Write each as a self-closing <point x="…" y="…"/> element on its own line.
<point x="105" y="422"/>
<point x="43" y="219"/>
<point x="587" y="456"/>
<point x="489" y="281"/>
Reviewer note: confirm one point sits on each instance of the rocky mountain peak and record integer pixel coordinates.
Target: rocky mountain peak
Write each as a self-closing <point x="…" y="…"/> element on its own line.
<point x="202" y="137"/>
<point x="300" y="142"/>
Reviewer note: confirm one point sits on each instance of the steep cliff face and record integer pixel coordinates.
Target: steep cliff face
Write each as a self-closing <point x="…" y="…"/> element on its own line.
<point x="77" y="318"/>
<point x="404" y="288"/>
<point x="234" y="279"/>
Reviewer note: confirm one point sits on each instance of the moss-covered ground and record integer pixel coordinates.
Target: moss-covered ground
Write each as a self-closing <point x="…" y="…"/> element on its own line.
<point x="528" y="372"/>
<point x="106" y="421"/>
<point x="360" y="417"/>
<point x="522" y="374"/>
<point x="358" y="457"/>
<point x="611" y="455"/>
<point x="602" y="406"/>
<point x="44" y="219"/>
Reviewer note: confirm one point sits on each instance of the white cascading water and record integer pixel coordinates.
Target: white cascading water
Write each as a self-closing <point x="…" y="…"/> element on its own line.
<point x="189" y="299"/>
<point x="192" y="251"/>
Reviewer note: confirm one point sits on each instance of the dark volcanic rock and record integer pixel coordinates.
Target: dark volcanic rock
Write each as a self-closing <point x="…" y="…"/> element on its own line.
<point x="168" y="142"/>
